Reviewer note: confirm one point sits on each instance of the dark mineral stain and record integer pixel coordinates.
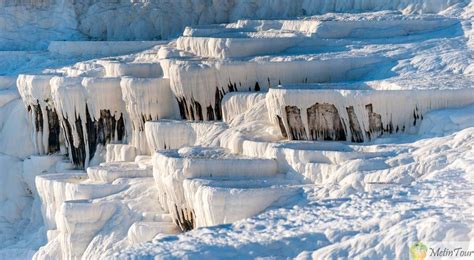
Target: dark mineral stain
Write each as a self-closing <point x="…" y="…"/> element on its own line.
<point x="297" y="130"/>
<point x="356" y="130"/>
<point x="325" y="123"/>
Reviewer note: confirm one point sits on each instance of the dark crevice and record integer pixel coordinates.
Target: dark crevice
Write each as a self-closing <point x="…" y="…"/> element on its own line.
<point x="54" y="131"/>
<point x="282" y="127"/>
<point x="375" y="123"/>
<point x="357" y="134"/>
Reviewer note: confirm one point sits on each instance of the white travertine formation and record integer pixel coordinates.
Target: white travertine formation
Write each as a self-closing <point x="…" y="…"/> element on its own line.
<point x="146" y="99"/>
<point x="226" y="48"/>
<point x="305" y="113"/>
<point x="284" y="88"/>
<point x="234" y="104"/>
<point x="174" y="134"/>
<point x="120" y="153"/>
<point x="171" y="168"/>
<point x="315" y="161"/>
<point x="200" y="86"/>
<point x="99" y="48"/>
<point x="92" y="113"/>
<point x="78" y="222"/>
<point x="35" y="91"/>
<point x="215" y="202"/>
<point x="115" y="68"/>
<point x="111" y="171"/>
<point x="54" y="189"/>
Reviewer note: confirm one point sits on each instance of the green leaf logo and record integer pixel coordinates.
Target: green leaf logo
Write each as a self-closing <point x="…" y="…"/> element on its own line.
<point x="418" y="251"/>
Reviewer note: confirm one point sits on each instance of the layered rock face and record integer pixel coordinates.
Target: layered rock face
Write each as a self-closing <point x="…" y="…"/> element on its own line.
<point x="92" y="114"/>
<point x="221" y="124"/>
<point x="309" y="113"/>
<point x="35" y="91"/>
<point x="32" y="24"/>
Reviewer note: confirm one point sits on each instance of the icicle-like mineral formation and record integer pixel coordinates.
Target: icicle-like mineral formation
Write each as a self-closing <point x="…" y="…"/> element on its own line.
<point x="146" y="99"/>
<point x="200" y="87"/>
<point x="35" y="91"/>
<point x="355" y="115"/>
<point x="91" y="112"/>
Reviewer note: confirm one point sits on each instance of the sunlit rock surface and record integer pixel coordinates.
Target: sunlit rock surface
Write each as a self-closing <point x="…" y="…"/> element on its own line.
<point x="351" y="129"/>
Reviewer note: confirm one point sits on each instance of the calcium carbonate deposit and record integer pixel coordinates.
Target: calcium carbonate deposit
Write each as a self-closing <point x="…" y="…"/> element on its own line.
<point x="303" y="129"/>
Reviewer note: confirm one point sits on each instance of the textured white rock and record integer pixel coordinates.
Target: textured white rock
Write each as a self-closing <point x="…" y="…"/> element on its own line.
<point x="173" y="134"/>
<point x="200" y="86"/>
<point x="234" y="104"/>
<point x="55" y="189"/>
<point x="104" y="94"/>
<point x="111" y="171"/>
<point x="171" y="168"/>
<point x="78" y="222"/>
<point x="92" y="114"/>
<point x="227" y="48"/>
<point x="145" y="231"/>
<point x="108" y="218"/>
<point x="215" y="202"/>
<point x="120" y="153"/>
<point x="398" y="110"/>
<point x="146" y="99"/>
<point x="316" y="161"/>
<point x="15" y="130"/>
<point x="136" y="70"/>
<point x="99" y="48"/>
<point x="35" y="91"/>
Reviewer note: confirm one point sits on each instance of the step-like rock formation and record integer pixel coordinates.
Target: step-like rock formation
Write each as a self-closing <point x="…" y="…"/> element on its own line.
<point x="111" y="171"/>
<point x="99" y="48"/>
<point x="308" y="113"/>
<point x="55" y="189"/>
<point x="200" y="87"/>
<point x="116" y="68"/>
<point x="172" y="167"/>
<point x="283" y="88"/>
<point x="146" y="99"/>
<point x="215" y="201"/>
<point x="174" y="134"/>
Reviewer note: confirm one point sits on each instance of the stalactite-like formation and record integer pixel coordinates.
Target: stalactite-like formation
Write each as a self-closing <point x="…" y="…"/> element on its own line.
<point x="355" y="115"/>
<point x="35" y="91"/>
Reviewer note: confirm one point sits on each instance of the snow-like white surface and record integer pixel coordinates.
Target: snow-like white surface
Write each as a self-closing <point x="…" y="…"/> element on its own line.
<point x="146" y="99"/>
<point x="277" y="198"/>
<point x="120" y="153"/>
<point x="110" y="171"/>
<point x="174" y="134"/>
<point x="234" y="104"/>
<point x="99" y="48"/>
<point x="387" y="104"/>
<point x="32" y="24"/>
<point x="216" y="202"/>
<point x="115" y="68"/>
<point x="379" y="217"/>
<point x="171" y="168"/>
